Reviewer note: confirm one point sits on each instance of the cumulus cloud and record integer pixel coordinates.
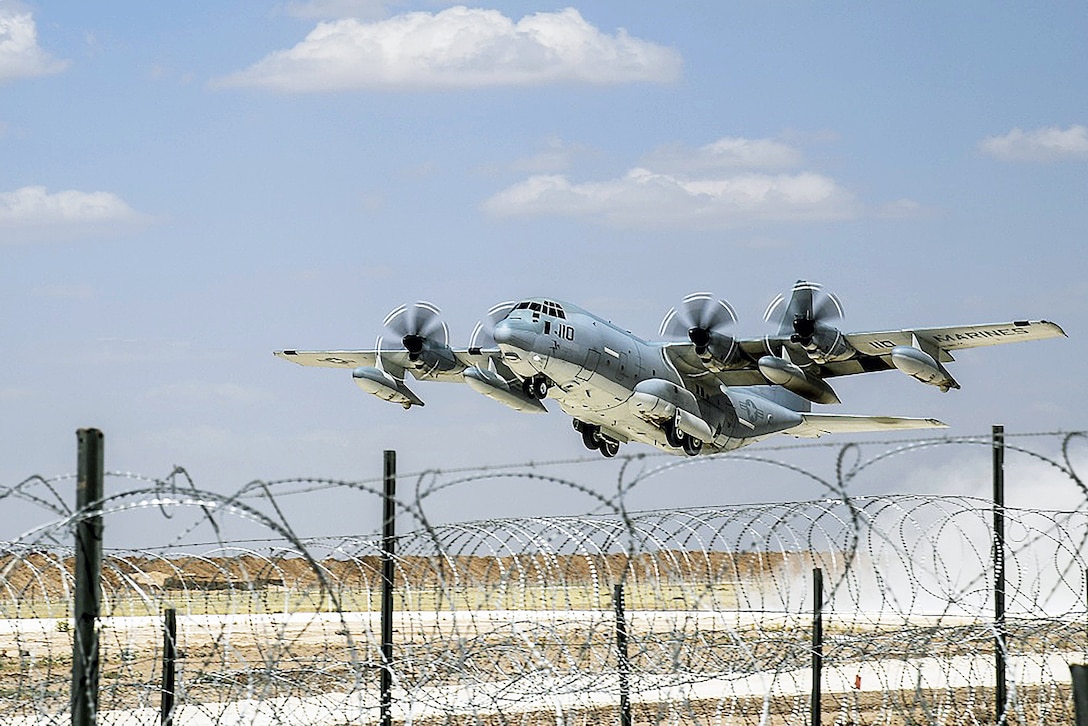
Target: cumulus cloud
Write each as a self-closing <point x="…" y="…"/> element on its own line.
<point x="20" y="54"/>
<point x="35" y="209"/>
<point x="459" y="47"/>
<point x="325" y="9"/>
<point x="718" y="186"/>
<point x="726" y="153"/>
<point x="557" y="155"/>
<point x="1038" y="145"/>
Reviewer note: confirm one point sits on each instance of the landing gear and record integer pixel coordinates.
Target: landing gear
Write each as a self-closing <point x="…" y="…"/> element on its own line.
<point x="692" y="446"/>
<point x="535" y="387"/>
<point x="674" y="436"/>
<point x="680" y="440"/>
<point x="594" y="440"/>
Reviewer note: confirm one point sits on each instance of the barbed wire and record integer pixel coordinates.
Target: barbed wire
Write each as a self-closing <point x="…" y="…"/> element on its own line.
<point x="503" y="620"/>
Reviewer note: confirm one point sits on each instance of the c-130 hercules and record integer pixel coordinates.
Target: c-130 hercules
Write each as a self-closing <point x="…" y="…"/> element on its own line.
<point x="702" y="391"/>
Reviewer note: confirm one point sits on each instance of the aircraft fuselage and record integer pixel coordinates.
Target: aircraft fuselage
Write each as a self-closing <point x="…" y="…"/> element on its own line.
<point x="607" y="377"/>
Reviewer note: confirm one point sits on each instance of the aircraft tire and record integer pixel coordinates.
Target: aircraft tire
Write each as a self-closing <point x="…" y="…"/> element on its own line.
<point x="692" y="446"/>
<point x="674" y="436"/>
<point x="609" y="448"/>
<point x="589" y="438"/>
<point x="535" y="387"/>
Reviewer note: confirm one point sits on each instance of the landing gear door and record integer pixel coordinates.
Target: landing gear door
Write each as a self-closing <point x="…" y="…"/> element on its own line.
<point x="593" y="359"/>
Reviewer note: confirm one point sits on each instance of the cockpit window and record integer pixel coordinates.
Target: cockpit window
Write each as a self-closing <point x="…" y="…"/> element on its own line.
<point x="546" y="307"/>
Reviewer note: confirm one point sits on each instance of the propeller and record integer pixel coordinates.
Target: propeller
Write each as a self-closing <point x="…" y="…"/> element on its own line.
<point x="483" y="335"/>
<point x="705" y="321"/>
<point x="419" y="329"/>
<point x="807" y="316"/>
<point x="808" y="307"/>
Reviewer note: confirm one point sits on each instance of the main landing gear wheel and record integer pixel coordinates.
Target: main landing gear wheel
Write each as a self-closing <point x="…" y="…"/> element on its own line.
<point x="692" y="446"/>
<point x="594" y="441"/>
<point x="674" y="436"/>
<point x="535" y="387"/>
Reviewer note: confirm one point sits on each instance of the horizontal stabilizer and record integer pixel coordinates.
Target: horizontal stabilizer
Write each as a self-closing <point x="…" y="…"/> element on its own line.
<point x="818" y="424"/>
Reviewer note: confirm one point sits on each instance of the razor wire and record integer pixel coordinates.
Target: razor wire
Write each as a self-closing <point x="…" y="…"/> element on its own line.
<point x="511" y="620"/>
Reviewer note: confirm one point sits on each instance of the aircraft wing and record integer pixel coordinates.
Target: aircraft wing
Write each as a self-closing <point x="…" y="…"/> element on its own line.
<point x="333" y="358"/>
<point x="814" y="425"/>
<point x="873" y="350"/>
<point x="957" y="336"/>
<point x="396" y="362"/>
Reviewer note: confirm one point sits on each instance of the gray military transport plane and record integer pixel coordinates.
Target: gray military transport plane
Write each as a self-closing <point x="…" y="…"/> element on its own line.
<point x="700" y="391"/>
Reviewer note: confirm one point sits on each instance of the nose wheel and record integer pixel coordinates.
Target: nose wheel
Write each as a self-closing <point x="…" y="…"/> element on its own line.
<point x="535" y="387"/>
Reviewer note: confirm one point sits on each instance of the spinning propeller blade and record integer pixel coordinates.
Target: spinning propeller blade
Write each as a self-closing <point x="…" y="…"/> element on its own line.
<point x="417" y="327"/>
<point x="705" y="321"/>
<point x="808" y="307"/>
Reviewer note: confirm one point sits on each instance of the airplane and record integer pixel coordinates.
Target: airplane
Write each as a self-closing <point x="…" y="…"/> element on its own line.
<point x="699" y="391"/>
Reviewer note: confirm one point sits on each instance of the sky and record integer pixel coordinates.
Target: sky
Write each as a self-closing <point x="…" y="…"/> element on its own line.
<point x="183" y="192"/>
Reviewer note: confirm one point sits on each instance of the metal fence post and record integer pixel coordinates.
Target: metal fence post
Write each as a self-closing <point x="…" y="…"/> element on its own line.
<point x="389" y="533"/>
<point x="1000" y="638"/>
<point x="88" y="572"/>
<point x="622" y="656"/>
<point x="817" y="644"/>
<point x="169" y="666"/>
<point x="1079" y="674"/>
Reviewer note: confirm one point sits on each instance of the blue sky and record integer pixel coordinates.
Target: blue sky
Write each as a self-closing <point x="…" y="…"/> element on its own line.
<point x="183" y="192"/>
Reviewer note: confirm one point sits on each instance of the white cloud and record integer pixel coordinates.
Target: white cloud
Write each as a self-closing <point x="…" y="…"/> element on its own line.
<point x="717" y="186"/>
<point x="728" y="152"/>
<point x="459" y="48"/>
<point x="20" y="54"/>
<point x="324" y="9"/>
<point x="1040" y="145"/>
<point x="33" y="207"/>
<point x="556" y="156"/>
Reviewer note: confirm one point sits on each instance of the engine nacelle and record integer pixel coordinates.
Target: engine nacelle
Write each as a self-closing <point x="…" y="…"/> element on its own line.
<point x="789" y="375"/>
<point x="428" y="355"/>
<point x="824" y="344"/>
<point x="922" y="366"/>
<point x="718" y="352"/>
<point x="496" y="388"/>
<point x="378" y="383"/>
